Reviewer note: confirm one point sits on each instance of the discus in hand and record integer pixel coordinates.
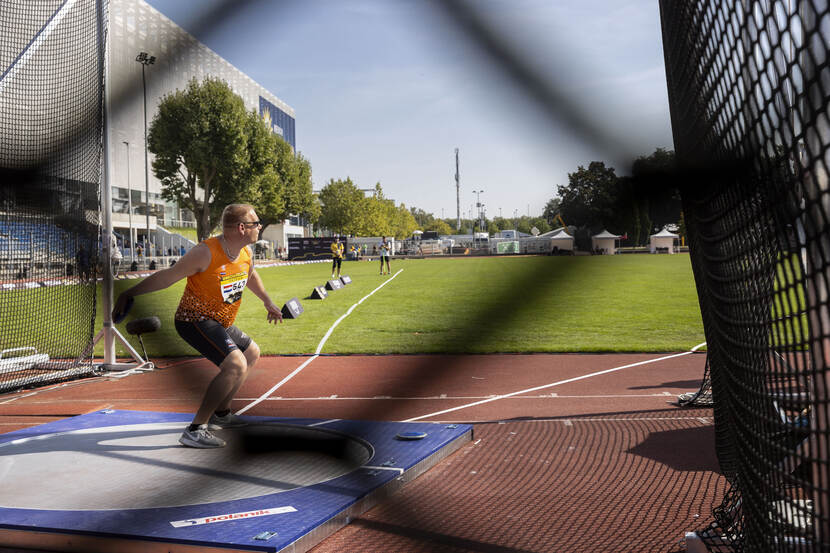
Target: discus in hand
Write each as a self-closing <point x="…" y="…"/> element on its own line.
<point x="118" y="317"/>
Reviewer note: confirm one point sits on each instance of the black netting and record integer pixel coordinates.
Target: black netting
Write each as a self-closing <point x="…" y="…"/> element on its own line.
<point x="702" y="397"/>
<point x="749" y="88"/>
<point x="51" y="106"/>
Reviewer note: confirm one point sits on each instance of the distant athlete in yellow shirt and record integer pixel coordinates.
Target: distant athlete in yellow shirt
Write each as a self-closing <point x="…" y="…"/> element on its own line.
<point x="217" y="271"/>
<point x="336" y="256"/>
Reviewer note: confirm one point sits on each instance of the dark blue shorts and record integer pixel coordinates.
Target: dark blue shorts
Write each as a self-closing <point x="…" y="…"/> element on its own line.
<point x="213" y="340"/>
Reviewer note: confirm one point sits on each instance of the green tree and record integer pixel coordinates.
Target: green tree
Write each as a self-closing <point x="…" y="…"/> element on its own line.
<point x="201" y="144"/>
<point x="402" y="222"/>
<point x="422" y="218"/>
<point x="524" y="224"/>
<point x="292" y="191"/>
<point x="501" y="223"/>
<point x="295" y="171"/>
<point x="540" y="223"/>
<point x="342" y="206"/>
<point x="441" y="227"/>
<point x="552" y="209"/>
<point x="376" y="215"/>
<point x="268" y="188"/>
<point x="301" y="198"/>
<point x="654" y="188"/>
<point x="589" y="199"/>
<point x="493" y="226"/>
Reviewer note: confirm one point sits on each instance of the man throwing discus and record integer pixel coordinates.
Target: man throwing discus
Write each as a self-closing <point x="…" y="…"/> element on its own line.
<point x="217" y="271"/>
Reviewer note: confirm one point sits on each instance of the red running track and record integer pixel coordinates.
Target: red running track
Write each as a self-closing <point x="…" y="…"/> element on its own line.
<point x="603" y="463"/>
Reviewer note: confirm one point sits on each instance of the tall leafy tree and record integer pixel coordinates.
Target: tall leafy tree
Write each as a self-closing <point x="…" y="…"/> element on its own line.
<point x="301" y="199"/>
<point x="541" y="224"/>
<point x="524" y="224"/>
<point x="423" y="218"/>
<point x="342" y="206"/>
<point x="552" y="209"/>
<point x="654" y="188"/>
<point x="589" y="199"/>
<point x="257" y="181"/>
<point x="375" y="216"/>
<point x="200" y="140"/>
<point x="402" y="221"/>
<point x="439" y="226"/>
<point x="289" y="192"/>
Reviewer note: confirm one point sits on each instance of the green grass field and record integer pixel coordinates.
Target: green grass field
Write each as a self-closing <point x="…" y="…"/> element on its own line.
<point x="624" y="303"/>
<point x="187" y="232"/>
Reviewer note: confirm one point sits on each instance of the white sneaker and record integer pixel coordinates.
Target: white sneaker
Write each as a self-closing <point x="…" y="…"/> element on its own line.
<point x="201" y="438"/>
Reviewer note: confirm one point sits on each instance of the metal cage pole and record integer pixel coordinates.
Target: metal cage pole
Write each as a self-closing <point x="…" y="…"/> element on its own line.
<point x="108" y="332"/>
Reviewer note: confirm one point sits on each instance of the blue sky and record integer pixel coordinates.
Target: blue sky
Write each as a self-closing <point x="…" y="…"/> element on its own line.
<point x="385" y="90"/>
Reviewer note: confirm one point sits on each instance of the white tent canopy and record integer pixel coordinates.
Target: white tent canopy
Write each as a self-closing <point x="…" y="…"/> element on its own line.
<point x="562" y="240"/>
<point x="663" y="241"/>
<point x="545" y="243"/>
<point x="604" y="243"/>
<point x="552" y="233"/>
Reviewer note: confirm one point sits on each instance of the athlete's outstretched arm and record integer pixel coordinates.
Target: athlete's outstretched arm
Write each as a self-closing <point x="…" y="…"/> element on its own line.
<point x="256" y="286"/>
<point x="194" y="261"/>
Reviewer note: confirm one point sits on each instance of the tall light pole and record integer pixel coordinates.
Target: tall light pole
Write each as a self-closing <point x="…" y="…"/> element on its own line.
<point x="478" y="206"/>
<point x="457" y="193"/>
<point x="144" y="59"/>
<point x="129" y="204"/>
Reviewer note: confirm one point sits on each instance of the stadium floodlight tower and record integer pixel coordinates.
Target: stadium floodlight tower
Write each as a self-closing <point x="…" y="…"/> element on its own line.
<point x="479" y="207"/>
<point x="457" y="193"/>
<point x="145" y="59"/>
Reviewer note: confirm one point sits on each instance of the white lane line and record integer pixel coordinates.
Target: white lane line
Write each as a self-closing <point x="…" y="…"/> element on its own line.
<point x="16" y="398"/>
<point x="317" y="351"/>
<point x="371" y="467"/>
<point x="570" y="422"/>
<point x="545" y="386"/>
<point x="278" y="384"/>
<point x="661" y="396"/>
<point x="321" y="423"/>
<point x="347" y="313"/>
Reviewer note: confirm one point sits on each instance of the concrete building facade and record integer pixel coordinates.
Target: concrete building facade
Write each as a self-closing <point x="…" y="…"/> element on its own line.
<point x="136" y="27"/>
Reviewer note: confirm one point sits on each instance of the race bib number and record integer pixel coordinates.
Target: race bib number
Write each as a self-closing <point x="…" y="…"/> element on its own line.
<point x="232" y="287"/>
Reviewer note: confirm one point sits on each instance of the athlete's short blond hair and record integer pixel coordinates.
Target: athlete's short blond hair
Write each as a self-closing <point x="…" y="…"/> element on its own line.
<point x="233" y="214"/>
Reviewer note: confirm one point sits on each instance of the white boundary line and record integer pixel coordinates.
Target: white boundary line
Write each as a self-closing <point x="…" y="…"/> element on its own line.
<point x="372" y="467"/>
<point x="575" y="418"/>
<point x="544" y="386"/>
<point x="662" y="395"/>
<point x="321" y="423"/>
<point x="319" y="347"/>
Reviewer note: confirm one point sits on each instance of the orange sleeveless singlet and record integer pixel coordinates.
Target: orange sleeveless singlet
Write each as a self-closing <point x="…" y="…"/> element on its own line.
<point x="216" y="293"/>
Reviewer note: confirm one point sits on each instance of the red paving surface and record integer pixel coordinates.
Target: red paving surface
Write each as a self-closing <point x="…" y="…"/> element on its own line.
<point x="606" y="463"/>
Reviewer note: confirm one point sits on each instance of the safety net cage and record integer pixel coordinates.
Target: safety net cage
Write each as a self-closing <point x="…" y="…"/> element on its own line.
<point x="749" y="88"/>
<point x="51" y="92"/>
